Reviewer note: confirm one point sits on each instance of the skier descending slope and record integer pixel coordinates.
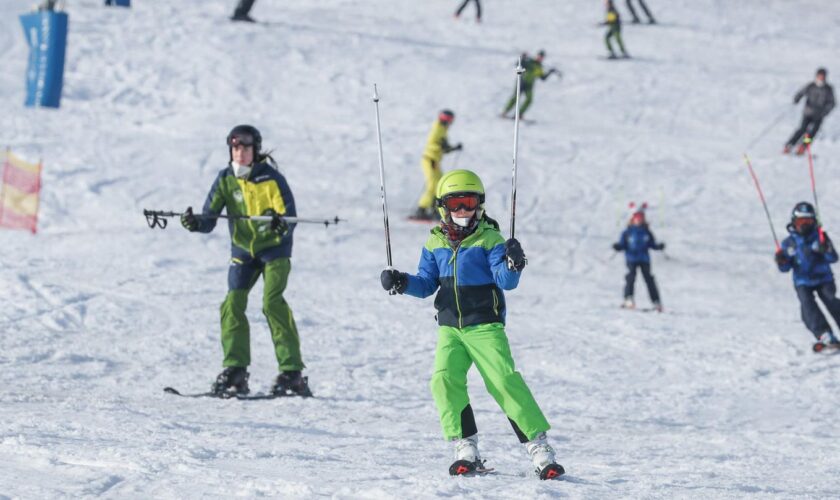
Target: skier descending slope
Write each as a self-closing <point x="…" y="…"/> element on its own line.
<point x="468" y="263"/>
<point x="250" y="185"/>
<point x="810" y="253"/>
<point x="635" y="241"/>
<point x="819" y="101"/>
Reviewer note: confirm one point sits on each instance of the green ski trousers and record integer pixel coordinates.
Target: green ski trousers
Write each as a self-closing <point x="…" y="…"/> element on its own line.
<point x="236" y="334"/>
<point x="529" y="97"/>
<point x="487" y="346"/>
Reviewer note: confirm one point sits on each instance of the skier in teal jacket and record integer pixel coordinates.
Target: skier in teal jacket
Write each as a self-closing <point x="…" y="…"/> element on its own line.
<point x="469" y="264"/>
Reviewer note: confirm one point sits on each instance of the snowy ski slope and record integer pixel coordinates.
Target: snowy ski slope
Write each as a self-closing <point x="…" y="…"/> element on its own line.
<point x="719" y="397"/>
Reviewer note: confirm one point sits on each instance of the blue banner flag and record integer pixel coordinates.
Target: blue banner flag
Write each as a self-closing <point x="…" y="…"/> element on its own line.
<point x="46" y="33"/>
<point x="119" y="3"/>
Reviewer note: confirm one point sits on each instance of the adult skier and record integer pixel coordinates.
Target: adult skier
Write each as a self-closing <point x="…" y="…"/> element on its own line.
<point x="635" y="241"/>
<point x="437" y="145"/>
<point x="533" y="70"/>
<point x="613" y="23"/>
<point x="464" y="5"/>
<point x="465" y="260"/>
<point x="250" y="185"/>
<point x="808" y="251"/>
<point x="636" y="19"/>
<point x="819" y="101"/>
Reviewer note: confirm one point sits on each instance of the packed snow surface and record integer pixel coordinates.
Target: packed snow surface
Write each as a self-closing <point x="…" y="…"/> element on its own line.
<point x="718" y="397"/>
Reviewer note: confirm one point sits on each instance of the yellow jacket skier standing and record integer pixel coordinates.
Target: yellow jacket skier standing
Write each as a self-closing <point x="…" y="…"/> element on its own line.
<point x="437" y="145"/>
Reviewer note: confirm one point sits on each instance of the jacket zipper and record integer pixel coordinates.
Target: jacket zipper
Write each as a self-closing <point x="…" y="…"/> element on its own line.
<point x="455" y="276"/>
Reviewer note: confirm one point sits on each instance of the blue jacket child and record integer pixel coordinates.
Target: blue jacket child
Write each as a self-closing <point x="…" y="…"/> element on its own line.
<point x="808" y="251"/>
<point x="635" y="242"/>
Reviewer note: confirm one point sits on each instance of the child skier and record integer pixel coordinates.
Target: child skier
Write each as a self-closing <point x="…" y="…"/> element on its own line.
<point x="810" y="253"/>
<point x="635" y="241"/>
<point x="614" y="24"/>
<point x="468" y="263"/>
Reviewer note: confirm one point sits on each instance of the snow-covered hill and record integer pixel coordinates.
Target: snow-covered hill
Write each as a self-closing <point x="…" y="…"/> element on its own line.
<point x="719" y="397"/>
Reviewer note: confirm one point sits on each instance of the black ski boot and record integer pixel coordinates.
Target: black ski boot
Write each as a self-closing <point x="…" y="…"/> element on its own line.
<point x="232" y="381"/>
<point x="291" y="383"/>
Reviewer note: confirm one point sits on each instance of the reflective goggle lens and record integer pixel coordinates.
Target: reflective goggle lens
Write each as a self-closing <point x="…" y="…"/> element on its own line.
<point x="241" y="140"/>
<point x="466" y="202"/>
<point x="803" y="222"/>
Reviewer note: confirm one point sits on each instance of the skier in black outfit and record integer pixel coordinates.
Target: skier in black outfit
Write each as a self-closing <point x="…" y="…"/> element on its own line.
<point x="636" y="19"/>
<point x="243" y="8"/>
<point x="477" y="9"/>
<point x="819" y="101"/>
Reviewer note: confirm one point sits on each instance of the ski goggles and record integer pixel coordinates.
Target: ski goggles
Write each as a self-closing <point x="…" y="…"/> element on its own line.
<point x="461" y="202"/>
<point x="240" y="140"/>
<point x="803" y="222"/>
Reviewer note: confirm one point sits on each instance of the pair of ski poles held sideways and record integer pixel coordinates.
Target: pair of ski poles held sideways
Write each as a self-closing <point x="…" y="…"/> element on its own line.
<point x="511" y="265"/>
<point x="158" y="218"/>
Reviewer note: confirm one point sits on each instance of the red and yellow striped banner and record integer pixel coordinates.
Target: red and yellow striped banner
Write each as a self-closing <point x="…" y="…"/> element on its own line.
<point x="20" y="194"/>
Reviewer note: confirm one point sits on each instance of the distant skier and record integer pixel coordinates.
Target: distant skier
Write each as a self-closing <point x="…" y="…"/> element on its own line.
<point x="464" y="5"/>
<point x="810" y="253"/>
<point x="437" y="145"/>
<point x="243" y="10"/>
<point x="819" y="101"/>
<point x="636" y="19"/>
<point x="533" y="70"/>
<point x="613" y="23"/>
<point x="635" y="241"/>
<point x="248" y="186"/>
<point x="468" y="262"/>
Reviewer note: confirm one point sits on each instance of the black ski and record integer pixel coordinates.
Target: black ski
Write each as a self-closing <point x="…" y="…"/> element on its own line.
<point x="241" y="397"/>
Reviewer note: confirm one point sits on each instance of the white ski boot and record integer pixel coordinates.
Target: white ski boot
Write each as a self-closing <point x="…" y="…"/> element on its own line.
<point x="628" y="303"/>
<point x="542" y="456"/>
<point x="467" y="459"/>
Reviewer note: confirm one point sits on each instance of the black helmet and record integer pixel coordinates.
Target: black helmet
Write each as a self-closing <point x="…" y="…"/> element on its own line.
<point x="803" y="210"/>
<point x="446" y="116"/>
<point x="247" y="135"/>
<point x="803" y="218"/>
<point x="823" y="72"/>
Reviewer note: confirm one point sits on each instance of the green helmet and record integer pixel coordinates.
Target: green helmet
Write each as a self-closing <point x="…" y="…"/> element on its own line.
<point x="459" y="182"/>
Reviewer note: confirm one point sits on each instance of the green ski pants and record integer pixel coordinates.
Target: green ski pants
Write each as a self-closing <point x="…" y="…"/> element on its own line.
<point x="487" y="346"/>
<point x="529" y="97"/>
<point x="614" y="31"/>
<point x="236" y="334"/>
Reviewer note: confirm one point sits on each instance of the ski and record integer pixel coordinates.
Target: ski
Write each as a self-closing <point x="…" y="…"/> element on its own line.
<point x="241" y="397"/>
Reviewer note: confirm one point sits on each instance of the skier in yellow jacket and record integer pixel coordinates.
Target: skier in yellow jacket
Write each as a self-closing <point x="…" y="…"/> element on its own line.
<point x="436" y="146"/>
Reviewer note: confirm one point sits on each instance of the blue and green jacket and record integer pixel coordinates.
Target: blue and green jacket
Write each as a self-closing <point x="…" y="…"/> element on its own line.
<point x="469" y="277"/>
<point x="263" y="190"/>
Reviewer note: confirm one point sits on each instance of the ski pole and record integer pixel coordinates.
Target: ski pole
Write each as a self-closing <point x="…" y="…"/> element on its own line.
<point x="807" y="142"/>
<point x="519" y="71"/>
<point x="767" y="129"/>
<point x="382" y="186"/>
<point x="763" y="202"/>
<point x="157" y="218"/>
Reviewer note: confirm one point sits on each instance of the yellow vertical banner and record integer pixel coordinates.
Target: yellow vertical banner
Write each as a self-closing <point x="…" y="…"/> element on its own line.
<point x="20" y="193"/>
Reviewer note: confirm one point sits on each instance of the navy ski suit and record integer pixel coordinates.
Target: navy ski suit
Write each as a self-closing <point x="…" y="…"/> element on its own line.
<point x="635" y="241"/>
<point x="810" y="262"/>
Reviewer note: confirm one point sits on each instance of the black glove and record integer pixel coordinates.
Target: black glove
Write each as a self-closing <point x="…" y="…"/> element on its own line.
<point x="516" y="260"/>
<point x="394" y="280"/>
<point x="660" y="246"/>
<point x="279" y="225"/>
<point x="189" y="220"/>
<point x="617" y="247"/>
<point x="781" y="258"/>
